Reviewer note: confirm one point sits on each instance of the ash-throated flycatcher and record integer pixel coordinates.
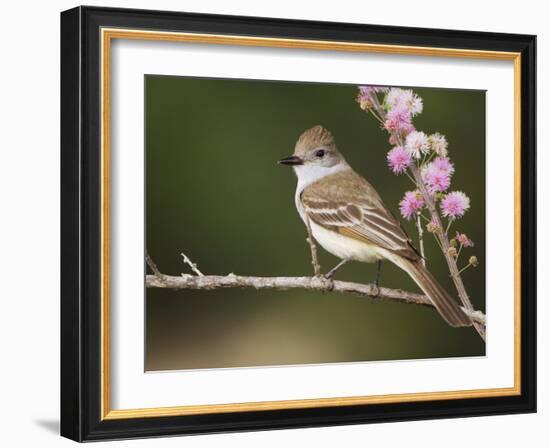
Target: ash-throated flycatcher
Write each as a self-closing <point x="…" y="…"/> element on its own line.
<point x="348" y="218"/>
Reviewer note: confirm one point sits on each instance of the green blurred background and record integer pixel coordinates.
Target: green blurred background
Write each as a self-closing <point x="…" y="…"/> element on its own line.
<point x="215" y="192"/>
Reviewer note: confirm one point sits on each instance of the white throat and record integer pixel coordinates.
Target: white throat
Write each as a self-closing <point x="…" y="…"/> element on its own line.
<point x="308" y="174"/>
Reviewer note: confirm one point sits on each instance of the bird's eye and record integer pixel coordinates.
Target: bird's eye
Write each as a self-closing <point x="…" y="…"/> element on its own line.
<point x="320" y="153"/>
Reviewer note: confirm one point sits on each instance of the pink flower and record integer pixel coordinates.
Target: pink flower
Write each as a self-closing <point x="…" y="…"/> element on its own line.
<point x="372" y="89"/>
<point x="416" y="105"/>
<point x="394" y="97"/>
<point x="398" y="160"/>
<point x="464" y="240"/>
<point x="436" y="180"/>
<point x="398" y="120"/>
<point x="417" y="144"/>
<point x="437" y="175"/>
<point x="366" y="96"/>
<point x="455" y="204"/>
<point x="444" y="164"/>
<point x="438" y="144"/>
<point x="411" y="203"/>
<point x="401" y="98"/>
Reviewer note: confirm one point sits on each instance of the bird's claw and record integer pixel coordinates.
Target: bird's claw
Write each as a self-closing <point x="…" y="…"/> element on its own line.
<point x="326" y="282"/>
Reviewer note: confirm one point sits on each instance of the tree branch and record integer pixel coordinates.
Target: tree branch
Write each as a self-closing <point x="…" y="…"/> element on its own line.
<point x="210" y="282"/>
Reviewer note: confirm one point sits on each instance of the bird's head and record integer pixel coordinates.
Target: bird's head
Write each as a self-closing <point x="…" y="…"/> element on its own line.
<point x="315" y="153"/>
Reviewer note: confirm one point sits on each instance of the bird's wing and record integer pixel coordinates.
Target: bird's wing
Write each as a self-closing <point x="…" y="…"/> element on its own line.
<point x="348" y="204"/>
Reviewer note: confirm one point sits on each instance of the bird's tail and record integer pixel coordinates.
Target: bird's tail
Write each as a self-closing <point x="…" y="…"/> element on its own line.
<point x="443" y="302"/>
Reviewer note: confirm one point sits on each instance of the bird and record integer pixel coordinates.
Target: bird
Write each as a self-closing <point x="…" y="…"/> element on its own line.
<point x="348" y="218"/>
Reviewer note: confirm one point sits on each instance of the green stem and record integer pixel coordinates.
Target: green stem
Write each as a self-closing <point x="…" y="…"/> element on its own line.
<point x="422" y="215"/>
<point x="438" y="242"/>
<point x="431" y="157"/>
<point x="371" y="110"/>
<point x="379" y="107"/>
<point x="464" y="268"/>
<point x="448" y="226"/>
<point x="458" y="253"/>
<point x="410" y="177"/>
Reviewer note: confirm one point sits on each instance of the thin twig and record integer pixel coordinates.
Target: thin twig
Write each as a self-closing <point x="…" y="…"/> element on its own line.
<point x="420" y="238"/>
<point x="192" y="265"/>
<point x="409" y="176"/>
<point x="464" y="268"/>
<point x="152" y="265"/>
<point x="313" y="248"/>
<point x="210" y="282"/>
<point x="458" y="253"/>
<point x="437" y="241"/>
<point x="376" y="116"/>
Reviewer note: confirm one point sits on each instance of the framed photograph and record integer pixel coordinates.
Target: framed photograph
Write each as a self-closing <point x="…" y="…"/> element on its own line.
<point x="275" y="224"/>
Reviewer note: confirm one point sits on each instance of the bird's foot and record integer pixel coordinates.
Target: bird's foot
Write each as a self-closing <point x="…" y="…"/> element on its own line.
<point x="376" y="289"/>
<point x="331" y="273"/>
<point x="326" y="284"/>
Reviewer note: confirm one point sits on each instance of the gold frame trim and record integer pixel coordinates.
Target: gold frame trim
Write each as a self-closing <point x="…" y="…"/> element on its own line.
<point x="107" y="35"/>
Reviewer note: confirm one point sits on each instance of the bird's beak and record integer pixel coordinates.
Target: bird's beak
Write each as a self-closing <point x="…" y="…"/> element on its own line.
<point x="291" y="160"/>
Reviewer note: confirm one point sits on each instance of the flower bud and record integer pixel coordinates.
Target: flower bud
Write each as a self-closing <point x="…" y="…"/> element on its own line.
<point x="366" y="105"/>
<point x="473" y="261"/>
<point x="432" y="227"/>
<point x="452" y="251"/>
<point x="463" y="239"/>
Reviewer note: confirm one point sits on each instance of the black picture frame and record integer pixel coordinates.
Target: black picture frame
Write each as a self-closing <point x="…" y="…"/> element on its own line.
<point x="81" y="224"/>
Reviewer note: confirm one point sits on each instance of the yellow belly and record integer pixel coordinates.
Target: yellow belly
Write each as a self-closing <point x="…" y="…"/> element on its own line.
<point x="345" y="247"/>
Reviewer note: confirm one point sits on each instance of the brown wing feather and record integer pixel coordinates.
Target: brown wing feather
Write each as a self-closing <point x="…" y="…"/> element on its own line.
<point x="348" y="204"/>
